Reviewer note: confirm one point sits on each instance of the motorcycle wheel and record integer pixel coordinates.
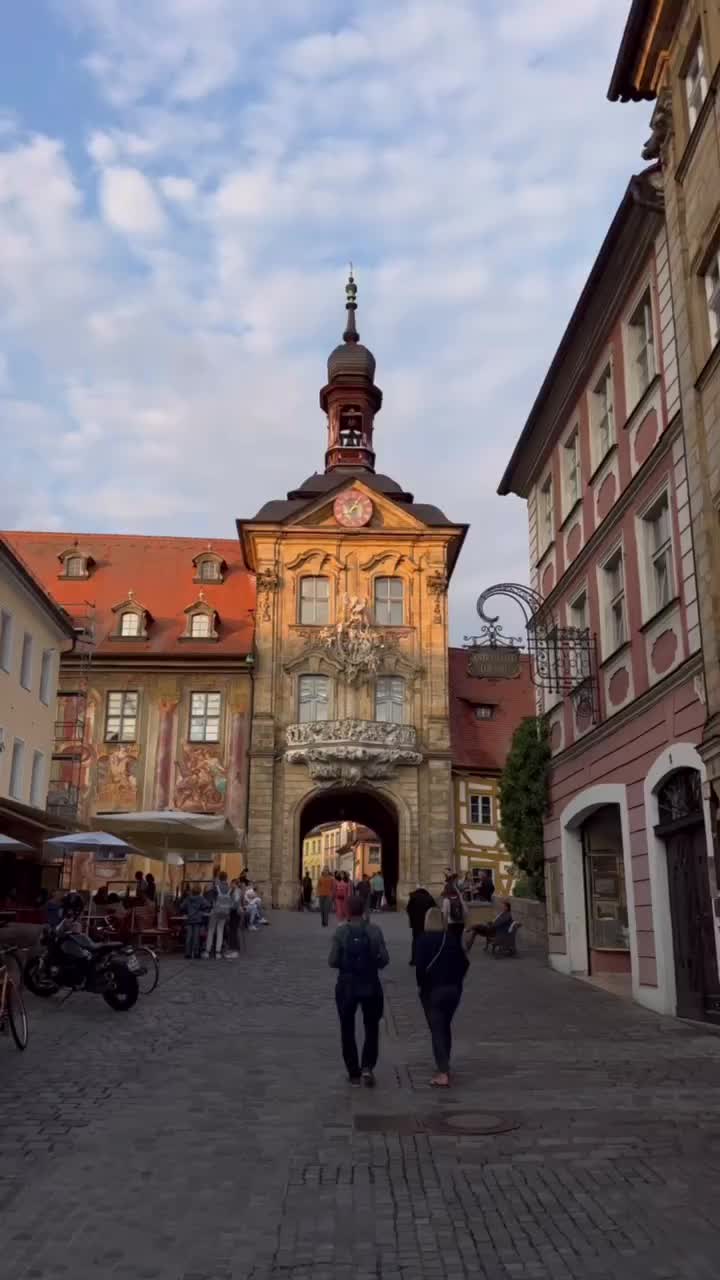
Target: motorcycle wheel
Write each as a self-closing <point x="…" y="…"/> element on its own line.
<point x="36" y="981"/>
<point x="125" y="993"/>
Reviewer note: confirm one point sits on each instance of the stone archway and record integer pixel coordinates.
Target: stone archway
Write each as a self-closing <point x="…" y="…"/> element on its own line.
<point x="356" y="804"/>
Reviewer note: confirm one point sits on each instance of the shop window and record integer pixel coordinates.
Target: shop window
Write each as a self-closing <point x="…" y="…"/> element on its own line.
<point x="607" y="913"/>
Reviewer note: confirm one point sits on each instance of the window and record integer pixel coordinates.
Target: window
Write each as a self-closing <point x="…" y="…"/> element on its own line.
<point x="547" y="514"/>
<point x="16" y="769"/>
<point x="46" y="671"/>
<point x="602" y="413"/>
<point x="659" y="554"/>
<point x="390" y="699"/>
<point x="314" y="698"/>
<point x="374" y="855"/>
<point x="314" y="601"/>
<point x="389" y="610"/>
<point x="485" y="711"/>
<point x="641" y="349"/>
<point x="351" y="422"/>
<point x="578" y="612"/>
<point x="696" y="85"/>
<point x="26" y="661"/>
<point x="130" y="624"/>
<point x="37" y="778"/>
<point x="6" y="639"/>
<point x="578" y="654"/>
<point x="200" y="626"/>
<point x="205" y="717"/>
<point x="481" y="811"/>
<point x="615" y="624"/>
<point x="209" y="570"/>
<point x="571" y="458"/>
<point x="121" y="717"/>
<point x="75" y="567"/>
<point x="712" y="293"/>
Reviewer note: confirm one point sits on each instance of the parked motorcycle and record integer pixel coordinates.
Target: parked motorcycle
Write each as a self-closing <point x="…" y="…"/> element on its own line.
<point x="68" y="959"/>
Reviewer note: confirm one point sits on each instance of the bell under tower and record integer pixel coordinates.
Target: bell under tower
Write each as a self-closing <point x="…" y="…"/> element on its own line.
<point x="350" y="399"/>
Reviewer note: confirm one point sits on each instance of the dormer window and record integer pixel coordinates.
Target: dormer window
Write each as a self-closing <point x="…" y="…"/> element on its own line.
<point x="75" y="563"/>
<point x="202" y="621"/>
<point x="209" y="566"/>
<point x="132" y="619"/>
<point x="351" y="427"/>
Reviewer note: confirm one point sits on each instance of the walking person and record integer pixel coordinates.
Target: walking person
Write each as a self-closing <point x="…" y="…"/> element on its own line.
<point x="325" y="887"/>
<point x="378" y="890"/>
<point x="195" y="909"/>
<point x="419" y="903"/>
<point x="307" y="892"/>
<point x="440" y="967"/>
<point x="233" y="925"/>
<point x="220" y="898"/>
<point x="363" y="890"/>
<point x="455" y="913"/>
<point x="358" y="952"/>
<point x="343" y="891"/>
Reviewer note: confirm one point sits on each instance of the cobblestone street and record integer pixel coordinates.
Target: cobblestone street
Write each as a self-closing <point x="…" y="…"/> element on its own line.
<point x="210" y="1134"/>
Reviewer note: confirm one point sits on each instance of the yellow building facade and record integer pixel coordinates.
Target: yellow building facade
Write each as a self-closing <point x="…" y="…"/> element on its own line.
<point x="351" y="709"/>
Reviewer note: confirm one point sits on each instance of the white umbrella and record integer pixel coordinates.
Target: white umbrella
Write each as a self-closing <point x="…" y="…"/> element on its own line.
<point x="8" y="845"/>
<point x="175" y="829"/>
<point x="92" y="842"/>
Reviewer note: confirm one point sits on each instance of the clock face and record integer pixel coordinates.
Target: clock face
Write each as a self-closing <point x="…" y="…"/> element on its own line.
<point x="352" y="509"/>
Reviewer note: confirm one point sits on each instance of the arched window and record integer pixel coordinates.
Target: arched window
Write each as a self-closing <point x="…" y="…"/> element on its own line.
<point x="209" y="570"/>
<point x="389" y="602"/>
<point x="130" y="623"/>
<point x="313" y="698"/>
<point x="680" y="798"/>
<point x="390" y="699"/>
<point x="200" y="626"/>
<point x="75" y="567"/>
<point x="314" y="601"/>
<point x="351" y="427"/>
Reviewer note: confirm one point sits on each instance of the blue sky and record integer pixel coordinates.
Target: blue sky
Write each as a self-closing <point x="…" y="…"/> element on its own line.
<point x="182" y="183"/>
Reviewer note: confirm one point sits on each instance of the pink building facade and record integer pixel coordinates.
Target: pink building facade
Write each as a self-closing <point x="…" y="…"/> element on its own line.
<point x="630" y="872"/>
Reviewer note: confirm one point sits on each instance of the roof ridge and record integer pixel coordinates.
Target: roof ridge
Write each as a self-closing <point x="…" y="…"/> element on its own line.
<point x="156" y="537"/>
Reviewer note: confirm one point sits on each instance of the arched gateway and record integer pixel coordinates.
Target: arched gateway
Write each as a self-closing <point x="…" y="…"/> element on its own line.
<point x="350" y="704"/>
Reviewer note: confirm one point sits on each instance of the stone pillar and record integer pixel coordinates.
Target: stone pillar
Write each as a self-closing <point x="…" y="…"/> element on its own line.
<point x="261" y="794"/>
<point x="162" y="781"/>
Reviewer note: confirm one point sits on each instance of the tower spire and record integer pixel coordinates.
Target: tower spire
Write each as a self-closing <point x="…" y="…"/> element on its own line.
<point x="351" y="334"/>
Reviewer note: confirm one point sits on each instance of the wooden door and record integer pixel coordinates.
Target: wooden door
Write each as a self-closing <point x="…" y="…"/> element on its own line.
<point x="692" y="921"/>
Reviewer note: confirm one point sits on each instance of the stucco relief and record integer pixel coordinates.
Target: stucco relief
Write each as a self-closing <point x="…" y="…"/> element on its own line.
<point x="574" y="541"/>
<point x="662" y="654"/>
<point x="355" y="647"/>
<point x="351" y="750"/>
<point x="201" y="781"/>
<point x="548" y="580"/>
<point x="618" y="687"/>
<point x="606" y="495"/>
<point x="645" y="438"/>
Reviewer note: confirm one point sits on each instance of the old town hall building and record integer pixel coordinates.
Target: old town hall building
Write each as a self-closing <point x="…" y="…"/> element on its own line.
<point x="297" y="678"/>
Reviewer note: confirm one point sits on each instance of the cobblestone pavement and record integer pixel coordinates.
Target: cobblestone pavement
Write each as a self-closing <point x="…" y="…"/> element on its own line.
<point x="210" y="1134"/>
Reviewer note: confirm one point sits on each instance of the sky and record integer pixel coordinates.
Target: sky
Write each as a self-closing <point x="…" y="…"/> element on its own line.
<point x="182" y="185"/>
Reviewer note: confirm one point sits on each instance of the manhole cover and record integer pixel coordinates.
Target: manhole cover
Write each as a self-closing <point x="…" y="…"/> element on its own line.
<point x="468" y="1123"/>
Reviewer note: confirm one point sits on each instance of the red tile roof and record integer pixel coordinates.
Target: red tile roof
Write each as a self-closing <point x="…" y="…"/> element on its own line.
<point x="484" y="744"/>
<point x="159" y="571"/>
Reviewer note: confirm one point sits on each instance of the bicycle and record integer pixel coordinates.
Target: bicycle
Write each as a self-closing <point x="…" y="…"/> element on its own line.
<point x="148" y="975"/>
<point x="12" y="1007"/>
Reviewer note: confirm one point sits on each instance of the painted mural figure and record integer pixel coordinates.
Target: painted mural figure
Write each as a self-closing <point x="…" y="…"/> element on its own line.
<point x="201" y="783"/>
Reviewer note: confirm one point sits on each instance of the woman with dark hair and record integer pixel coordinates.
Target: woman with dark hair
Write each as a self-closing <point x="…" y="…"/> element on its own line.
<point x="440" y="967"/>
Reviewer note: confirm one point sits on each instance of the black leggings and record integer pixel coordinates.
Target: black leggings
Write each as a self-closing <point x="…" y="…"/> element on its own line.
<point x="439" y="1004"/>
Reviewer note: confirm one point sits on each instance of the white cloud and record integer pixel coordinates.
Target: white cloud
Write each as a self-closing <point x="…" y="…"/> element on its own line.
<point x="463" y="154"/>
<point x="129" y="203"/>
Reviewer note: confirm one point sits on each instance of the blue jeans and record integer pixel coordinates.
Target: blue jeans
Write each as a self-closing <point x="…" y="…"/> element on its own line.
<point x="192" y="940"/>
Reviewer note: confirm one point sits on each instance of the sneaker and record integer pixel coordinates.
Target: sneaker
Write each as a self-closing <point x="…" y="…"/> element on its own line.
<point x="231" y="955"/>
<point x="368" y="1078"/>
<point x="355" y="1081"/>
<point x="206" y="955"/>
<point x="253" y="928"/>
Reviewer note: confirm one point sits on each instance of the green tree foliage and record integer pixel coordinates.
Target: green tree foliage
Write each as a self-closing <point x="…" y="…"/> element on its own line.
<point x="524" y="799"/>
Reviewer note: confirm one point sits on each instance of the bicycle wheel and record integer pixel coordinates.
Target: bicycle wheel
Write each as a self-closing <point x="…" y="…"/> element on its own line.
<point x="148" y="974"/>
<point x="16" y="1014"/>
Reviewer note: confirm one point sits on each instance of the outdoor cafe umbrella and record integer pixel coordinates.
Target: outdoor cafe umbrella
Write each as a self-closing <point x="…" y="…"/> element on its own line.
<point x="9" y="845"/>
<point x="97" y="842"/>
<point x="163" y="830"/>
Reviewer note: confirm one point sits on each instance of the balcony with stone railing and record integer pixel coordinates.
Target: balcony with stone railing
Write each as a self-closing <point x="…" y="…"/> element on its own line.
<point x="349" y="751"/>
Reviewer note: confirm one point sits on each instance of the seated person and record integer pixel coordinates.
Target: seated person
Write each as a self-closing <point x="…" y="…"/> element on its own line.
<point x="253" y="908"/>
<point x="499" y="928"/>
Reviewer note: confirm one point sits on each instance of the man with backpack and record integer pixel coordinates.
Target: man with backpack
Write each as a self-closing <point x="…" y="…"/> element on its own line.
<point x="358" y="953"/>
<point x="222" y="899"/>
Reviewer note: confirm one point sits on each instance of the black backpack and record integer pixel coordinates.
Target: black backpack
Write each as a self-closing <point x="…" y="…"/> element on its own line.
<point x="457" y="915"/>
<point x="359" y="962"/>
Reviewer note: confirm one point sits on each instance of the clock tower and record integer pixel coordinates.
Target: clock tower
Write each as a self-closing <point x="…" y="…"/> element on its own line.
<point x="350" y="399"/>
<point x="350" y="706"/>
